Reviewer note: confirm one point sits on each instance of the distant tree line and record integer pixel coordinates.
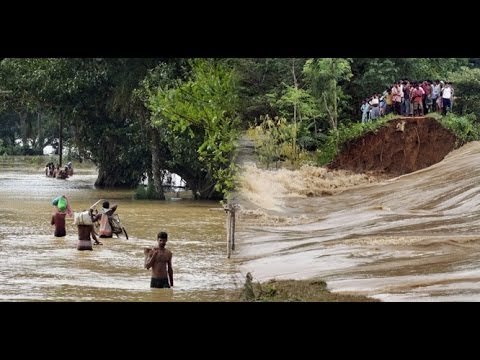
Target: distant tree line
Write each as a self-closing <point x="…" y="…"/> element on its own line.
<point x="151" y="116"/>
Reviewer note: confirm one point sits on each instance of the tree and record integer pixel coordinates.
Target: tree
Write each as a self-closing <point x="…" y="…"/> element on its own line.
<point x="200" y="113"/>
<point x="466" y="84"/>
<point x="261" y="82"/>
<point x="326" y="78"/>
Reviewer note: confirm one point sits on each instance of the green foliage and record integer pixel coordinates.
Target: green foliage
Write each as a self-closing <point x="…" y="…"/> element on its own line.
<point x="92" y="97"/>
<point x="466" y="85"/>
<point x="274" y="142"/>
<point x="465" y="128"/>
<point x="262" y="82"/>
<point x="290" y="97"/>
<point x="346" y="133"/>
<point x="3" y="149"/>
<point x="323" y="71"/>
<point x="195" y="104"/>
<point x="326" y="78"/>
<point x="143" y="192"/>
<point x="299" y="107"/>
<point x="203" y="109"/>
<point x="268" y="137"/>
<point x="372" y="76"/>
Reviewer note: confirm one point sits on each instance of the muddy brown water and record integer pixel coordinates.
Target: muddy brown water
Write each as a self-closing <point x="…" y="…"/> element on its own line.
<point x="411" y="238"/>
<point x="415" y="237"/>
<point x="36" y="266"/>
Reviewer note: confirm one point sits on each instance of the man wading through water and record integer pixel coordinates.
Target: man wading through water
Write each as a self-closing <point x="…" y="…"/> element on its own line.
<point x="160" y="260"/>
<point x="84" y="232"/>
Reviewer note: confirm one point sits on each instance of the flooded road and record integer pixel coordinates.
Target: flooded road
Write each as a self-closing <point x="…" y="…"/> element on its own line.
<point x="36" y="266"/>
<point x="412" y="238"/>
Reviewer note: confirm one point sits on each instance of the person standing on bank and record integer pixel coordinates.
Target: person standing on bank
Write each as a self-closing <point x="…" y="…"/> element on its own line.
<point x="160" y="260"/>
<point x="84" y="232"/>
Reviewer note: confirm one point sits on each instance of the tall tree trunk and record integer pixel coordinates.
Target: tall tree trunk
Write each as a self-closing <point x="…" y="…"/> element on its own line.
<point x="39" y="133"/>
<point x="157" y="165"/>
<point x="23" y="127"/>
<point x="60" y="146"/>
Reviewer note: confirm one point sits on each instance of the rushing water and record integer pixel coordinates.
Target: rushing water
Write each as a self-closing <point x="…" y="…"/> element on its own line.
<point x="36" y="266"/>
<point x="412" y="238"/>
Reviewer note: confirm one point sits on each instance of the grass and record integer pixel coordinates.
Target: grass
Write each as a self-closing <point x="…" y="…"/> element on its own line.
<point x="294" y="291"/>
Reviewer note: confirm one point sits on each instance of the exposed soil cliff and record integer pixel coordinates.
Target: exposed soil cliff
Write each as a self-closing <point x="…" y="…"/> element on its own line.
<point x="403" y="146"/>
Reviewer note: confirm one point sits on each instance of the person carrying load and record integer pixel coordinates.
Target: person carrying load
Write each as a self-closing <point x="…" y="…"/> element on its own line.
<point x="62" y="209"/>
<point x="105" y="225"/>
<point x="62" y="204"/>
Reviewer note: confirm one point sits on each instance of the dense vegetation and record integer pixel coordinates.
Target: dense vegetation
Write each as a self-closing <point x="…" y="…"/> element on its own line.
<point x="133" y="117"/>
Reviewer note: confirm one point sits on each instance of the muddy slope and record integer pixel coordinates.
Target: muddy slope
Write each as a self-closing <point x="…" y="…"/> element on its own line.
<point x="403" y="146"/>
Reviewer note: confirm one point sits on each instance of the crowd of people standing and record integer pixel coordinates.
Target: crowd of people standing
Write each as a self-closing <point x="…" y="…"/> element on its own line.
<point x="409" y="98"/>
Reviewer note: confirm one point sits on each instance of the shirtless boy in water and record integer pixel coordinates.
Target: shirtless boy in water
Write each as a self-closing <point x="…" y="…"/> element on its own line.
<point x="160" y="260"/>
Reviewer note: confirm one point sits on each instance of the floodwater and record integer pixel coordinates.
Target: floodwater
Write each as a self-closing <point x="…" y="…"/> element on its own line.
<point x="412" y="238"/>
<point x="36" y="266"/>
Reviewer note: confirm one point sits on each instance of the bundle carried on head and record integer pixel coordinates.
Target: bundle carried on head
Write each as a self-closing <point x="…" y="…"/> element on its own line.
<point x="82" y="218"/>
<point x="61" y="203"/>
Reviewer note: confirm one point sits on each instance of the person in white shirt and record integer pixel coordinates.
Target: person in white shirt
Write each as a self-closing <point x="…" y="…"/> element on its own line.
<point x="446" y="98"/>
